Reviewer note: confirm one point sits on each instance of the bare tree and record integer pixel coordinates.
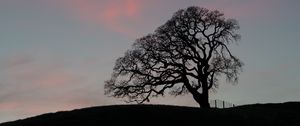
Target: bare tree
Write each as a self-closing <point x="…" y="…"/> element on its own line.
<point x="188" y="54"/>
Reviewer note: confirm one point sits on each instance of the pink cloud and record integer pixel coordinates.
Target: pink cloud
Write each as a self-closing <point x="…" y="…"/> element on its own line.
<point x="54" y="79"/>
<point x="31" y="86"/>
<point x="124" y="16"/>
<point x="8" y="105"/>
<point x="113" y="14"/>
<point x="132" y="7"/>
<point x="29" y="73"/>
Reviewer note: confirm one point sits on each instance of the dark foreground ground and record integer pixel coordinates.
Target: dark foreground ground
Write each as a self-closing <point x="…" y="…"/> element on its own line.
<point x="284" y="114"/>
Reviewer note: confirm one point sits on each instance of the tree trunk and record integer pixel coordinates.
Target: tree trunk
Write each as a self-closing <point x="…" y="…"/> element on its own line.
<point x="205" y="99"/>
<point x="201" y="99"/>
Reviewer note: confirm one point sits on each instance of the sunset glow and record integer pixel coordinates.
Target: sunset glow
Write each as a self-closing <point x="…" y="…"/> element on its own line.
<point x="56" y="54"/>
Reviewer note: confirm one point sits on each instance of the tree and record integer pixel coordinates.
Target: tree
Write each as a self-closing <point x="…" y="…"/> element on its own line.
<point x="188" y="54"/>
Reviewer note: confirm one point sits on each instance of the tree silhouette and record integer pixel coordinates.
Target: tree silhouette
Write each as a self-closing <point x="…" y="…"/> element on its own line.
<point x="188" y="54"/>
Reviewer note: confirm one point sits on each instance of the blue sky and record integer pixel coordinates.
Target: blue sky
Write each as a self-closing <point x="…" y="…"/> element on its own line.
<point x="56" y="54"/>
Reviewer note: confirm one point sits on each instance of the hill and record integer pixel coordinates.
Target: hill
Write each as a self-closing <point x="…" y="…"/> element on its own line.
<point x="282" y="114"/>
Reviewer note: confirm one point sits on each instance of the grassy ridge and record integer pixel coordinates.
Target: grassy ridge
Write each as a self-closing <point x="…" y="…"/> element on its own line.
<point x="258" y="114"/>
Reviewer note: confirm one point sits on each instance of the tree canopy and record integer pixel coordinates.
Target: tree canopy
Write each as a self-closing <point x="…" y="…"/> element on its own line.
<point x="187" y="54"/>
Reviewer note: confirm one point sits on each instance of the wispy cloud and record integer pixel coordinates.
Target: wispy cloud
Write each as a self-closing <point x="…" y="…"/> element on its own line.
<point x="124" y="16"/>
<point x="23" y="70"/>
<point x="113" y="14"/>
<point x="8" y="105"/>
<point x="26" y="80"/>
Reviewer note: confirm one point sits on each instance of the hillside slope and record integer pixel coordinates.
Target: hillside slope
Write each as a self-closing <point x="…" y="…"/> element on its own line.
<point x="284" y="114"/>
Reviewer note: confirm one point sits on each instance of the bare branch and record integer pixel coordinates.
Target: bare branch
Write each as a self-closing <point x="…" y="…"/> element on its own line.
<point x="186" y="54"/>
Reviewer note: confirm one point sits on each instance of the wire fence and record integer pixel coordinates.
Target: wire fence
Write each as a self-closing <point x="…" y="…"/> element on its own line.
<point x="221" y="104"/>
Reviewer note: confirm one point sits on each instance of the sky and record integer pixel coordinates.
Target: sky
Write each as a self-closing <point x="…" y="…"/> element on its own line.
<point x="56" y="54"/>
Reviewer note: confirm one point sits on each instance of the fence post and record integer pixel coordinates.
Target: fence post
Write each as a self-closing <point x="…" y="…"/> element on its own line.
<point x="216" y="106"/>
<point x="223" y="104"/>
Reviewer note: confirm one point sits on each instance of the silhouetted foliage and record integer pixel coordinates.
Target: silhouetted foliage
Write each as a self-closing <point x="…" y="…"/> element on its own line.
<point x="185" y="55"/>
